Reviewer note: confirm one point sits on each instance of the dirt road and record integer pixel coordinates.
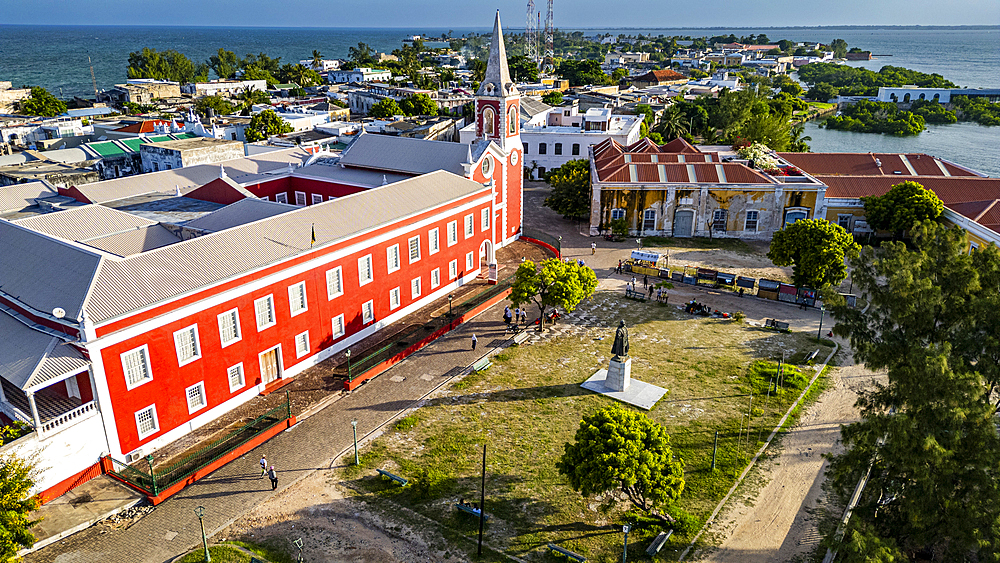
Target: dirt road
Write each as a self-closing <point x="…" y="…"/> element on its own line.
<point x="778" y="524"/>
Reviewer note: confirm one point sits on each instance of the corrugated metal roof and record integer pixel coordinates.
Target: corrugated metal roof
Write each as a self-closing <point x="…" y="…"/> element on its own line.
<point x="85" y="222"/>
<point x="19" y="196"/>
<point x="63" y="358"/>
<point x="951" y="189"/>
<point x="243" y="170"/>
<point x="240" y="213"/>
<point x="133" y="143"/>
<point x="867" y="164"/>
<point x="106" y="148"/>
<point x="406" y="155"/>
<point x="43" y="272"/>
<point x="134" y="282"/>
<point x="133" y="242"/>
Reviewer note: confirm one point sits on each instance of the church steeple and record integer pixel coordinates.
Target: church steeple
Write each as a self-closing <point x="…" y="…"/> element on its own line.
<point x="496" y="81"/>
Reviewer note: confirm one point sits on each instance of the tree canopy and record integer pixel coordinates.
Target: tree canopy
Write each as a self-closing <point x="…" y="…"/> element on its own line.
<point x="855" y="81"/>
<point x="218" y="104"/>
<point x="928" y="433"/>
<point x="554" y="98"/>
<point x="582" y="73"/>
<point x="224" y="63"/>
<point x="265" y="124"/>
<point x="866" y="116"/>
<point x="902" y="207"/>
<point x="570" y="183"/>
<point x="42" y="103"/>
<point x="617" y="449"/>
<point x="816" y="250"/>
<point x="16" y="503"/>
<point x="419" y="104"/>
<point x="522" y="69"/>
<point x="385" y="108"/>
<point x="553" y="283"/>
<point x="165" y="65"/>
<point x="361" y="56"/>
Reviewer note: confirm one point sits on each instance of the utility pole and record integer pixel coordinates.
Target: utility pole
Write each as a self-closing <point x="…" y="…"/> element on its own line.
<point x="357" y="461"/>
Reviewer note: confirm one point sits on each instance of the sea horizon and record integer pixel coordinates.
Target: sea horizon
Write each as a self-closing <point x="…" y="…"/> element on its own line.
<point x="514" y="28"/>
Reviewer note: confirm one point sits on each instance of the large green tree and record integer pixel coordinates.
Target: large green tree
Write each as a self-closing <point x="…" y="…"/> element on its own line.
<point x="218" y="104"/>
<point x="224" y="63"/>
<point x="618" y="449"/>
<point x="553" y="283"/>
<point x="384" y="109"/>
<point x="362" y="56"/>
<point x="554" y="98"/>
<point x="165" y="65"/>
<point x="16" y="503"/>
<point x="571" y="190"/>
<point x="903" y="206"/>
<point x="928" y="433"/>
<point x="419" y="104"/>
<point x="265" y="124"/>
<point x="522" y="69"/>
<point x="42" y="103"/>
<point x="253" y="72"/>
<point x="816" y="250"/>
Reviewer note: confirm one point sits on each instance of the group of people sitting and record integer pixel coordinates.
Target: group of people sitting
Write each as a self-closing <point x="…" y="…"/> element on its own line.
<point x="703" y="310"/>
<point x="472" y="505"/>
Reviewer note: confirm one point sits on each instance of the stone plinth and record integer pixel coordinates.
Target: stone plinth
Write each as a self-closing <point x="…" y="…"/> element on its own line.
<point x="619" y="375"/>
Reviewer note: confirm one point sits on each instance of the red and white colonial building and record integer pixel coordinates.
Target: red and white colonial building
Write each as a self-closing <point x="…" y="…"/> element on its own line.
<point x="137" y="309"/>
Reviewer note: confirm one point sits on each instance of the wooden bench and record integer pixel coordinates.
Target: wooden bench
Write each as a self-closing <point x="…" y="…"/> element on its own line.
<point x="812" y="356"/>
<point x="569" y="554"/>
<point x="657" y="544"/>
<point x="520" y="337"/>
<point x="469" y="509"/>
<point x="402" y="482"/>
<point x="636" y="295"/>
<point x="481" y="364"/>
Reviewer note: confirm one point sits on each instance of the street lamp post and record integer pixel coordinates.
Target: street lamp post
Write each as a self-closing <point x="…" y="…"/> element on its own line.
<point x="450" y="298"/>
<point x="348" y="355"/>
<point x="200" y="512"/>
<point x="625" y="529"/>
<point x="822" y="311"/>
<point x="357" y="460"/>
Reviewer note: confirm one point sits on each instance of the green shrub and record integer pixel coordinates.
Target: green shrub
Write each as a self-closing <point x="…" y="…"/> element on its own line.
<point x="739" y="317"/>
<point x="406" y="423"/>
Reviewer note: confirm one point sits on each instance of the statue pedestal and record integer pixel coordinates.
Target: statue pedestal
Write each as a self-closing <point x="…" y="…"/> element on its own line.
<point x="619" y="375"/>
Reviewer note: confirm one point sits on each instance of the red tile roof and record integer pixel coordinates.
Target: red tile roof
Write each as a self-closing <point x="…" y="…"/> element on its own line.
<point x="986" y="213"/>
<point x="641" y="162"/>
<point x="951" y="190"/>
<point x="665" y="75"/>
<point x="867" y="164"/>
<point x="142" y="126"/>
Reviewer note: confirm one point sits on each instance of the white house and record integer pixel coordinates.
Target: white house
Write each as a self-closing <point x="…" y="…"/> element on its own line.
<point x="556" y="136"/>
<point x="323" y="66"/>
<point x="223" y="87"/>
<point x="363" y="74"/>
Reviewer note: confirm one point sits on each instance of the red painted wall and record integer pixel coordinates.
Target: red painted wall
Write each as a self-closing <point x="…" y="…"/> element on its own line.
<point x="288" y="185"/>
<point x="167" y="388"/>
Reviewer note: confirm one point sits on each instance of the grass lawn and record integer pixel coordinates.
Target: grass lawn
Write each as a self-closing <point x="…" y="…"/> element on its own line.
<point x="529" y="404"/>
<point x="227" y="553"/>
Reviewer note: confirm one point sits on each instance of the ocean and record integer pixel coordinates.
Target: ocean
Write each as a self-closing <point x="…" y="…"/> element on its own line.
<point x="56" y="57"/>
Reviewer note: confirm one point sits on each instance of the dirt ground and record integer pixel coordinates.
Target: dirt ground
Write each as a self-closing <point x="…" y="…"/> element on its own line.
<point x="333" y="529"/>
<point x="778" y="524"/>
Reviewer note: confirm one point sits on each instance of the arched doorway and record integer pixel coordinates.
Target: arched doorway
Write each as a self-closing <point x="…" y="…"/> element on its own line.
<point x="486" y="254"/>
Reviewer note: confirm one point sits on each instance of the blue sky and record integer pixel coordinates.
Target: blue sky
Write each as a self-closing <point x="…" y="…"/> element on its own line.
<point x="473" y="13"/>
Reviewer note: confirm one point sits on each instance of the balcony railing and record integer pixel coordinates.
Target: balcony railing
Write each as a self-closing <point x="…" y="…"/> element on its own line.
<point x="69" y="418"/>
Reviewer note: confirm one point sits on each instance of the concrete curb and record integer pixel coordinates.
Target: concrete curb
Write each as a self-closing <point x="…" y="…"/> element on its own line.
<point x="82" y="526"/>
<point x="760" y="452"/>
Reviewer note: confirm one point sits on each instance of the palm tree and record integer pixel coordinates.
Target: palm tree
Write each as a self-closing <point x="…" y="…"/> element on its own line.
<point x="317" y="60"/>
<point x="798" y="142"/>
<point x="671" y="125"/>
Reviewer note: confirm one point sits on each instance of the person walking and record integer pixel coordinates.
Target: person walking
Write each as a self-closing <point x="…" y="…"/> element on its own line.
<point x="524" y="317"/>
<point x="593" y="248"/>
<point x="274" y="478"/>
<point x="507" y="316"/>
<point x="645" y="280"/>
<point x="474" y="341"/>
<point x="263" y="465"/>
<point x="650" y="292"/>
<point x="633" y="283"/>
<point x="517" y="316"/>
<point x="619" y="271"/>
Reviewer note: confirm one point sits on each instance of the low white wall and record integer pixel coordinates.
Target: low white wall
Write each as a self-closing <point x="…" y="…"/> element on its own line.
<point x="61" y="455"/>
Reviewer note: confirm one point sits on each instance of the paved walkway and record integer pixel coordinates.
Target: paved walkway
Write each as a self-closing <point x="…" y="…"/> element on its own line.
<point x="172" y="528"/>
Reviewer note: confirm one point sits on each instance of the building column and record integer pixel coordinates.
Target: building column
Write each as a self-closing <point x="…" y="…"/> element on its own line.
<point x="34" y="412"/>
<point x="669" y="205"/>
<point x="778" y="215"/>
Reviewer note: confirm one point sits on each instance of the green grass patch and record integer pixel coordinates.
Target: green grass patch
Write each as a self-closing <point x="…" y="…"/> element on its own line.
<point x="530" y="404"/>
<point x="220" y="554"/>
<point x="274" y="550"/>
<point x="406" y="423"/>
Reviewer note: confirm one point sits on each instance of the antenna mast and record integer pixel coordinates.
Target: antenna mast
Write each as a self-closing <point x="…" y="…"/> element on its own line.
<point x="549" y="63"/>
<point x="529" y="33"/>
<point x="93" y="79"/>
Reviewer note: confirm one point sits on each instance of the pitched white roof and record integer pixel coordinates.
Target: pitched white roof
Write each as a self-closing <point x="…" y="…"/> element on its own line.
<point x="30" y="358"/>
<point x="240" y="213"/>
<point x="19" y="196"/>
<point x="405" y="155"/>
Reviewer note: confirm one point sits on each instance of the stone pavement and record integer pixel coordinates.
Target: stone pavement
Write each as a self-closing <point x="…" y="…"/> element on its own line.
<point x="76" y="510"/>
<point x="172" y="528"/>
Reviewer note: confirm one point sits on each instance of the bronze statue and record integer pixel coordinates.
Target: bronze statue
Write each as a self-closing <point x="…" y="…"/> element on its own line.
<point x="620" y="347"/>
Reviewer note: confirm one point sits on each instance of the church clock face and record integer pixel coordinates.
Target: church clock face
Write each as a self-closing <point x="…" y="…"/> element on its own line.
<point x="513" y="158"/>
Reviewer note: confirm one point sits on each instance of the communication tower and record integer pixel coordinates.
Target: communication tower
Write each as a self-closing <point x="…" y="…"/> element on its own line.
<point x="549" y="61"/>
<point x="530" y="32"/>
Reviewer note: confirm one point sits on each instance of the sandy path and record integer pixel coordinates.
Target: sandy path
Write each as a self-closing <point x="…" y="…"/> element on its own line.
<point x="779" y="524"/>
